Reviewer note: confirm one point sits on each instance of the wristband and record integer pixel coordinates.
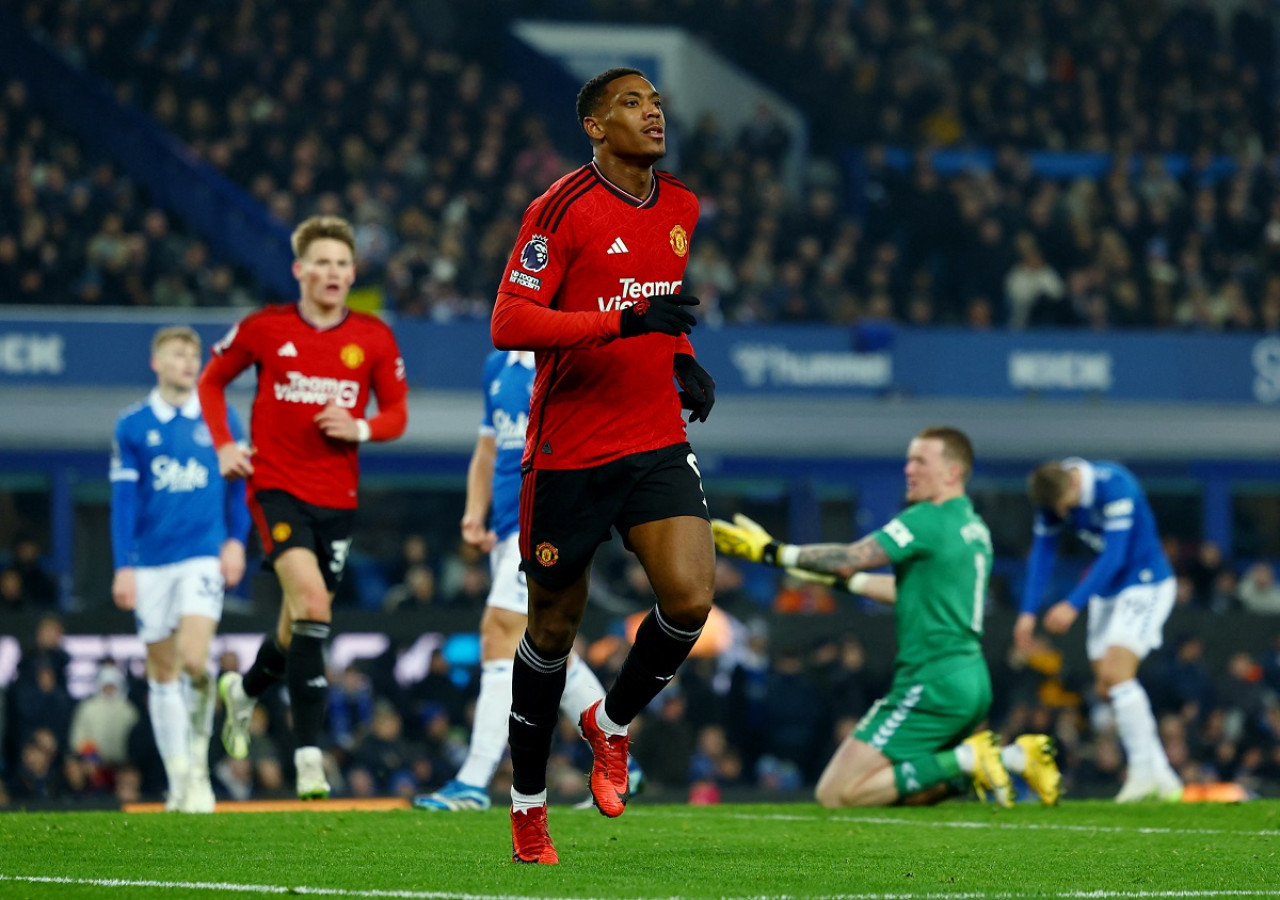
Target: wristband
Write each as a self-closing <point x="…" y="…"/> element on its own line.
<point x="788" y="555"/>
<point x="858" y="582"/>
<point x="362" y="431"/>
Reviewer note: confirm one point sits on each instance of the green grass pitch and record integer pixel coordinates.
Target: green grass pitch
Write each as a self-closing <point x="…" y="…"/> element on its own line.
<point x="960" y="850"/>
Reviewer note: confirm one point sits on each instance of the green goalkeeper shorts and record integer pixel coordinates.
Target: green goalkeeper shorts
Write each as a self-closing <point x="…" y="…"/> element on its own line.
<point x="928" y="712"/>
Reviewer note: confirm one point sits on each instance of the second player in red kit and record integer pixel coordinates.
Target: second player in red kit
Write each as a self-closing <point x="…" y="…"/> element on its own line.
<point x="594" y="287"/>
<point x="318" y="363"/>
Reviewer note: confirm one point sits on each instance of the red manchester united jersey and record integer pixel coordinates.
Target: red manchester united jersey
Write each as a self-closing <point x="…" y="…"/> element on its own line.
<point x="301" y="368"/>
<point x="588" y="248"/>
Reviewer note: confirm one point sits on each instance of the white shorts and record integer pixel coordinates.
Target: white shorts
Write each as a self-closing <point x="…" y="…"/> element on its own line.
<point x="508" y="589"/>
<point x="192" y="587"/>
<point x="1133" y="619"/>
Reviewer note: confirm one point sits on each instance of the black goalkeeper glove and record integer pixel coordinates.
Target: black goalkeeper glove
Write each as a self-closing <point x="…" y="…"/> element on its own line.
<point x="663" y="314"/>
<point x="699" y="388"/>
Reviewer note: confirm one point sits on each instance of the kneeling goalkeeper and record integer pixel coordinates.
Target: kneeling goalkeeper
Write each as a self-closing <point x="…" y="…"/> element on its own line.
<point x="916" y="742"/>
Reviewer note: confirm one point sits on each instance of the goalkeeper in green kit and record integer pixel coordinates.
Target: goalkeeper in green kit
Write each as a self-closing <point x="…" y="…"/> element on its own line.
<point x="916" y="743"/>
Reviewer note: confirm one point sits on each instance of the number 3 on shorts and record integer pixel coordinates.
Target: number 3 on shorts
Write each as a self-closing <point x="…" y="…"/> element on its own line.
<point x="338" y="555"/>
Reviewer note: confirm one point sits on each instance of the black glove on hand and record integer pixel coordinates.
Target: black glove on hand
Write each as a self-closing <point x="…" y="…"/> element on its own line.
<point x="699" y="388"/>
<point x="663" y="314"/>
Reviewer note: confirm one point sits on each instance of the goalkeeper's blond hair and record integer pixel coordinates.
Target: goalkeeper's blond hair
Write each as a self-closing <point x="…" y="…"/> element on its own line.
<point x="318" y="228"/>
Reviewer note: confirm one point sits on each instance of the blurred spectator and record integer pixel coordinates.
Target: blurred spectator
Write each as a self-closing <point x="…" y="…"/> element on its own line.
<point x="38" y="587"/>
<point x="39" y="703"/>
<point x="351" y="707"/>
<point x="667" y="748"/>
<point x="102" y="722"/>
<point x="1203" y="571"/>
<point x="385" y="756"/>
<point x="1257" y="588"/>
<point x="416" y="592"/>
<point x="45" y="649"/>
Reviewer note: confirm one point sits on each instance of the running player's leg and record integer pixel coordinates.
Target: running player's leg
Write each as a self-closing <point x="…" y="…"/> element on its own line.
<point x="169" y="720"/>
<point x="309" y="603"/>
<point x="193" y="637"/>
<point x="678" y="555"/>
<point x="156" y="614"/>
<point x="537" y="683"/>
<point x="1122" y="631"/>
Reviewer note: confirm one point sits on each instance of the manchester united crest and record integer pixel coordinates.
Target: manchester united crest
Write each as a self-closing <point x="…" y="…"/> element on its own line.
<point x="679" y="240"/>
<point x="352" y="355"/>
<point x="280" y="532"/>
<point x="547" y="554"/>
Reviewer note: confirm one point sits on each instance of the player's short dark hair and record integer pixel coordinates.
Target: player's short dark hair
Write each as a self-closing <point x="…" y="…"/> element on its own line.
<point x="593" y="91"/>
<point x="956" y="445"/>
<point x="318" y="228"/>
<point x="1048" y="484"/>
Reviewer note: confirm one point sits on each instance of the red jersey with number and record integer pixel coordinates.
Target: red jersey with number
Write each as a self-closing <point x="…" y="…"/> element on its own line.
<point x="586" y="251"/>
<point x="301" y="368"/>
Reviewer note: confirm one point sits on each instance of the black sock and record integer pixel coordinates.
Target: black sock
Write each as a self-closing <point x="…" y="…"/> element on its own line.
<point x="536" y="685"/>
<point x="308" y="688"/>
<point x="267" y="669"/>
<point x="658" y="651"/>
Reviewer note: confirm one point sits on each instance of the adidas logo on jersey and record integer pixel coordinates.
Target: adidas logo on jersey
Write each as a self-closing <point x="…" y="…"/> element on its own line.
<point x="617" y="246"/>
<point x="287" y="350"/>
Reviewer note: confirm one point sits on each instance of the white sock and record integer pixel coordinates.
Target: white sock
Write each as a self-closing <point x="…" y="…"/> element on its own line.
<point x="525" y="802"/>
<point x="966" y="759"/>
<point x="489" y="732"/>
<point x="607" y="725"/>
<point x="199" y="703"/>
<point x="1014" y="758"/>
<point x="1137" y="728"/>
<point x="172" y="727"/>
<point x="581" y="689"/>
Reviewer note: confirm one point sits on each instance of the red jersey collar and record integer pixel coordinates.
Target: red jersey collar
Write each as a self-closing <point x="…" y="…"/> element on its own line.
<point x="622" y="195"/>
<point x="346" y="311"/>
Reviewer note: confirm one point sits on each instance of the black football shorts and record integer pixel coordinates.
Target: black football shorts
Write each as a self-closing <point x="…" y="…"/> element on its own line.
<point x="283" y="522"/>
<point x="565" y="514"/>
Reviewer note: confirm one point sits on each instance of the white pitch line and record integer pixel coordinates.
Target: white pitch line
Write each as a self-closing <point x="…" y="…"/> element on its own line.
<point x="1013" y="826"/>
<point x="451" y="895"/>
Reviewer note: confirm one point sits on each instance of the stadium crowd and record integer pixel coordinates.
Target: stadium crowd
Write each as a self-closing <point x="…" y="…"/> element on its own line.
<point x="405" y="120"/>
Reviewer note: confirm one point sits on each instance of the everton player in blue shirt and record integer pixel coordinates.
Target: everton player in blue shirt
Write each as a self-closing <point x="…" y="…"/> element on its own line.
<point x="1129" y="591"/>
<point x="178" y="536"/>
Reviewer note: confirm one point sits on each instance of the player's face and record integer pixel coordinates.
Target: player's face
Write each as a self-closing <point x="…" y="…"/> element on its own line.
<point x="632" y="121"/>
<point x="325" y="273"/>
<point x="929" y="473"/>
<point x="176" y="364"/>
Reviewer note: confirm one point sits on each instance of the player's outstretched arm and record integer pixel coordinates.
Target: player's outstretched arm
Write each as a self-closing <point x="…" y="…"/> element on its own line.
<point x="841" y="563"/>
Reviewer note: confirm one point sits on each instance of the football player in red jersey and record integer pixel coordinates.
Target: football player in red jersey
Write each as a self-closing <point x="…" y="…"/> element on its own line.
<point x="317" y="363"/>
<point x="593" y="287"/>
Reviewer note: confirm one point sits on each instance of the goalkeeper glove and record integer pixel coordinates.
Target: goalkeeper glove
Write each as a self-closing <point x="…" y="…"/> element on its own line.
<point x="746" y="539"/>
<point x="699" y="388"/>
<point x="663" y="314"/>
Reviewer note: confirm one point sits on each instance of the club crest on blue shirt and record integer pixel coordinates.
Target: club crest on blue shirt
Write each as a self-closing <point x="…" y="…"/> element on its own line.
<point x="153" y="438"/>
<point x="534" y="256"/>
<point x="200" y="434"/>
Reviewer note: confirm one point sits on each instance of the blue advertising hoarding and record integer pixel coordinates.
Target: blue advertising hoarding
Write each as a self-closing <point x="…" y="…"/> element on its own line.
<point x="781" y="360"/>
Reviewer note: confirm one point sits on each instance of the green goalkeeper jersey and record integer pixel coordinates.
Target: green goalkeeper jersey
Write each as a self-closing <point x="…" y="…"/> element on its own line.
<point x="942" y="559"/>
